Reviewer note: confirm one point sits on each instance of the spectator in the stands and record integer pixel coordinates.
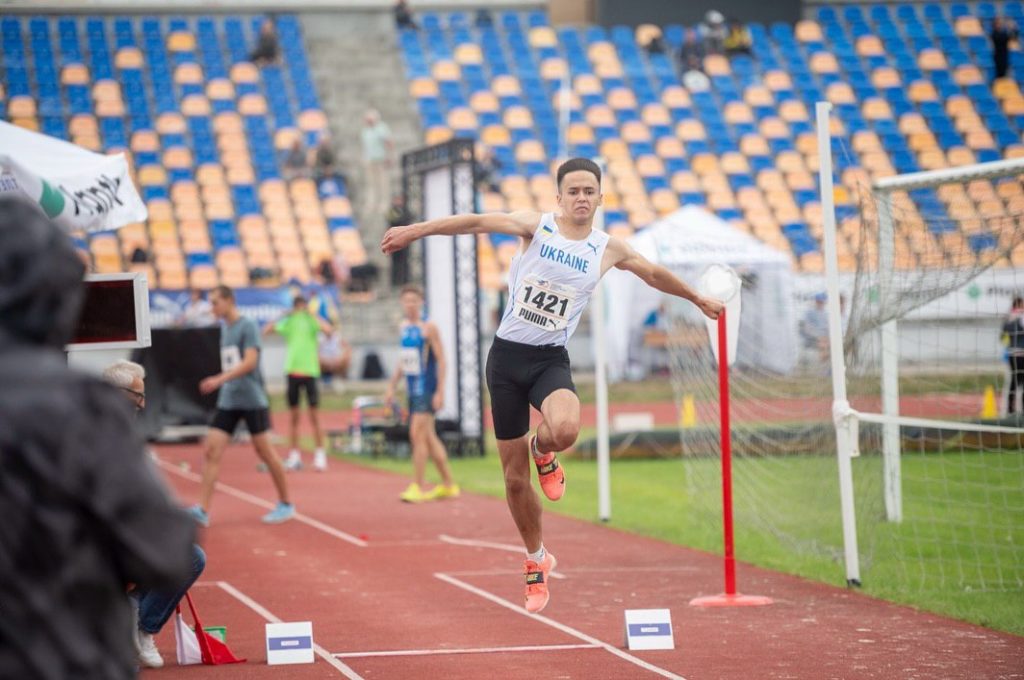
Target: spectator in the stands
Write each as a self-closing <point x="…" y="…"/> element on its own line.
<point x="295" y="165"/>
<point x="738" y="40"/>
<point x="487" y="167"/>
<point x="656" y="45"/>
<point x="403" y="15"/>
<point x="139" y="254"/>
<point x="692" y="48"/>
<point x="483" y="18"/>
<point x="267" y="48"/>
<point x="197" y="313"/>
<point x="713" y="32"/>
<point x="694" y="79"/>
<point x="1003" y="32"/>
<point x="324" y="159"/>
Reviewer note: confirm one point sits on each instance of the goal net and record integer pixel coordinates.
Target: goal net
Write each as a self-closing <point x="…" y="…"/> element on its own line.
<point x="927" y="268"/>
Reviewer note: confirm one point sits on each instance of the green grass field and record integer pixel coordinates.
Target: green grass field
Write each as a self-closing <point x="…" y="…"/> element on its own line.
<point x="957" y="552"/>
<point x="653" y="498"/>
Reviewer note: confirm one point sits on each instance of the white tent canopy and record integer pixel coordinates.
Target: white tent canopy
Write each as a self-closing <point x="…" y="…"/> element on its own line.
<point x="687" y="241"/>
<point x="78" y="189"/>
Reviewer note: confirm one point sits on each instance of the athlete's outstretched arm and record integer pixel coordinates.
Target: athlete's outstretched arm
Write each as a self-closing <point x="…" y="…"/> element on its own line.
<point x="659" y="277"/>
<point x="521" y="223"/>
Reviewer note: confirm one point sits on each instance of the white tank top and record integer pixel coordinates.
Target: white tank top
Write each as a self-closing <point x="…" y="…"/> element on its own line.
<point x="550" y="284"/>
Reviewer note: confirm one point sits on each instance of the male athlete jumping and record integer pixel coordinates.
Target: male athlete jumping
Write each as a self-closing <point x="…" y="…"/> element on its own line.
<point x="560" y="261"/>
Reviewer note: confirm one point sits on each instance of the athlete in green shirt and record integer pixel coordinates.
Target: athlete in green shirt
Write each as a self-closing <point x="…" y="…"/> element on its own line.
<point x="300" y="329"/>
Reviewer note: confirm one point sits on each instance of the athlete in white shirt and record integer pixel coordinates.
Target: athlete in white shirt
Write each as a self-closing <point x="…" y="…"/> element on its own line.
<point x="558" y="266"/>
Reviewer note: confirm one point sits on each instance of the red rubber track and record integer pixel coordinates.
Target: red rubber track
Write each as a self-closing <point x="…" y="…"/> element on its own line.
<point x="388" y="597"/>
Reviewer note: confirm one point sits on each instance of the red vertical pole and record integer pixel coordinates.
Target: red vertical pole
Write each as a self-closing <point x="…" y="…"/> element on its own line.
<point x="723" y="387"/>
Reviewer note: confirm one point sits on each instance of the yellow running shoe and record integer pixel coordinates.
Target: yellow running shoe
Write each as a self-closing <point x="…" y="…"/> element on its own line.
<point x="442" y="491"/>
<point x="413" y="494"/>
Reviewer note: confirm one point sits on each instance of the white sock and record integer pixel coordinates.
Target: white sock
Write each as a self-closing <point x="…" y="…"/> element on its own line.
<point x="538" y="556"/>
<point x="319" y="453"/>
<point x="535" y="450"/>
<point x="294" y="453"/>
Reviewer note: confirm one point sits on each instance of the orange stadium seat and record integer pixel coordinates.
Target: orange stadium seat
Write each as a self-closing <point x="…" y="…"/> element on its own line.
<point x="128" y="58"/>
<point x="808" y="31"/>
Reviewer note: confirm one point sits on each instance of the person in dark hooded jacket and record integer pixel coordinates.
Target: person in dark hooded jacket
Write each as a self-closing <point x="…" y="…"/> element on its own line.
<point x="84" y="512"/>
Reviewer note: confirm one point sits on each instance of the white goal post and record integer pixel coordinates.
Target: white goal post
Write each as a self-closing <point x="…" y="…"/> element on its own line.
<point x="845" y="417"/>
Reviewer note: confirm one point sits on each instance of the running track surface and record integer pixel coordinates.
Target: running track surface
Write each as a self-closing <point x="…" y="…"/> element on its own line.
<point x="435" y="590"/>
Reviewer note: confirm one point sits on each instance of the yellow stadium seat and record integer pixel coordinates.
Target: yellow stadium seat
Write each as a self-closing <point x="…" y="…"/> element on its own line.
<point x="1004" y="88"/>
<point x="74" y="74"/>
<point x="754" y="145"/>
<point x="608" y="69"/>
<point x="21" y="106"/>
<point x="738" y="112"/>
<point x="650" y="166"/>
<point x="876" y="108"/>
<point x="885" y="77"/>
<point x="968" y="26"/>
<point x="967" y="75"/>
<point x="913" y="122"/>
<point x="177" y="157"/>
<point x="716" y="65"/>
<point x="980" y="139"/>
<point x="106" y="90"/>
<point x="181" y="41"/>
<point x="518" y="117"/>
<point x="601" y="50"/>
<point x="444" y="69"/>
<point x="705" y="164"/>
<point x="807" y="144"/>
<point x="622" y="98"/>
<point x="865" y="140"/>
<point x="580" y="133"/>
<point x="284" y="138"/>
<point x="170" y="124"/>
<point x="506" y="86"/>
<point x="245" y="72"/>
<point x="232" y="142"/>
<point x="600" y="116"/>
<point x="774" y="128"/>
<point x="462" y="118"/>
<point x="958" y="104"/>
<point x="128" y="57"/>
<point x="808" y="31"/>
<point x="553" y="68"/>
<point x="437" y="135"/>
<point x="778" y="80"/>
<point x="824" y="62"/>
<point x="188" y="74"/>
<point x="790" y="161"/>
<point x="587" y="83"/>
<point x="645" y="33"/>
<point x="83" y="123"/>
<point x="542" y="36"/>
<point x="922" y="91"/>
<point x="530" y="151"/>
<point x="793" y="111"/>
<point x="635" y="131"/>
<point x="691" y="130"/>
<point x="676" y="97"/>
<point x="669" y="147"/>
<point x="496" y="135"/>
<point x="483" y="102"/>
<point x="26" y="123"/>
<point x="311" y="120"/>
<point x="840" y="93"/>
<point x="228" y="121"/>
<point x="665" y="201"/>
<point x="152" y="175"/>
<point x="758" y="96"/>
<point x="220" y="89"/>
<point x="195" y="105"/>
<point x="423" y="87"/>
<point x="468" y="53"/>
<point x="870" y="46"/>
<point x="252" y="105"/>
<point x="734" y="163"/>
<point x="684" y="182"/>
<point x="110" y="109"/>
<point x="931" y="59"/>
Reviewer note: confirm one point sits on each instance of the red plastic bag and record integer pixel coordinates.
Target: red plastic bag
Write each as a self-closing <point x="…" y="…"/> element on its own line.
<point x="213" y="650"/>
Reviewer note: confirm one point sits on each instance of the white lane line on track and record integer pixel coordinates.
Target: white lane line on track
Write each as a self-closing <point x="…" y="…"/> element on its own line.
<point x="262" y="611"/>
<point x="473" y="543"/>
<point x="558" y="626"/>
<point x="470" y="650"/>
<point x="256" y="500"/>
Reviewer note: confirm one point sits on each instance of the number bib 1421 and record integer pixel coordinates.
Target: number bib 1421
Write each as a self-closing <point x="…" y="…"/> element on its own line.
<point x="545" y="304"/>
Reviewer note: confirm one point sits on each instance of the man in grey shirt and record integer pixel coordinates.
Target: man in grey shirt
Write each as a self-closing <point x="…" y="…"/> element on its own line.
<point x="241" y="397"/>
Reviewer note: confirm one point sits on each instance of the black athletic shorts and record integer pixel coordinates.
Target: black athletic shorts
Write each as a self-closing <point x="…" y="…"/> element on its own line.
<point x="256" y="419"/>
<point x="306" y="383"/>
<point x="519" y="375"/>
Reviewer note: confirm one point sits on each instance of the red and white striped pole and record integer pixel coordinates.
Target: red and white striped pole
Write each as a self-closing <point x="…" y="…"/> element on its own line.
<point x="730" y="598"/>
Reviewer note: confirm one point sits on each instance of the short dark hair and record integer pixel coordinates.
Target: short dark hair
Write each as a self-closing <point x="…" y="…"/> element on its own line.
<point x="1018" y="301"/>
<point x="575" y="164"/>
<point x="224" y="292"/>
<point x="411" y="288"/>
<point x="299" y="300"/>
